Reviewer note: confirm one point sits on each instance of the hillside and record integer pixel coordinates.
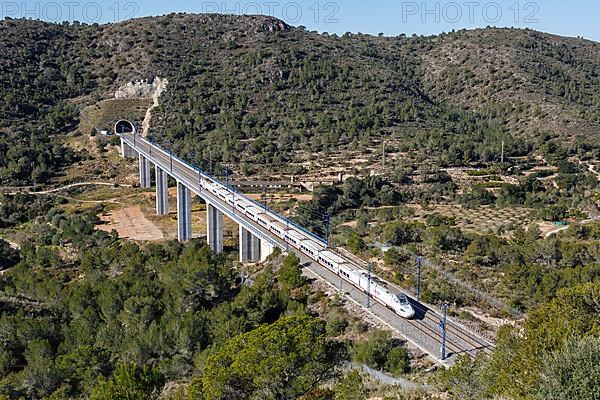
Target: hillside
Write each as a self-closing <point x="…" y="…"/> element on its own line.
<point x="99" y="300"/>
<point x="254" y="91"/>
<point x="546" y="83"/>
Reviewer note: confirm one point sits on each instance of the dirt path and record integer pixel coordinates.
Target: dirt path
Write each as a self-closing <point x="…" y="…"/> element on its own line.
<point x="72" y="185"/>
<point x="53" y="192"/>
<point x="130" y="223"/>
<point x="555" y="231"/>
<point x="548" y="229"/>
<point x="387" y="379"/>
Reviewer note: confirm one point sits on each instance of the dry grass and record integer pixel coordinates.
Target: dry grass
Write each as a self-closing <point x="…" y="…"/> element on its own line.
<point x="130" y="223"/>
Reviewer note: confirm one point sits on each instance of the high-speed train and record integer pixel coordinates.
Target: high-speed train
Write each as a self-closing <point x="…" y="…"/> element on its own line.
<point x="397" y="302"/>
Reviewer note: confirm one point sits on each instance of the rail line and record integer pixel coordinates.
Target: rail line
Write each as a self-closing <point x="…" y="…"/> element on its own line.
<point x="429" y="323"/>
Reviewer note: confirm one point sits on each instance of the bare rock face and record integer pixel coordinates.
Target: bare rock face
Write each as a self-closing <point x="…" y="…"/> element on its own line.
<point x="146" y="88"/>
<point x="150" y="88"/>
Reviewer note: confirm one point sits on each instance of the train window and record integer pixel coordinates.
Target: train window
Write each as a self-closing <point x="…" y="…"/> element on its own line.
<point x="402" y="299"/>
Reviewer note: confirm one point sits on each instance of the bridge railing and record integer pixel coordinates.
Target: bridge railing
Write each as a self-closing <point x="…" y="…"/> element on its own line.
<point x="230" y="188"/>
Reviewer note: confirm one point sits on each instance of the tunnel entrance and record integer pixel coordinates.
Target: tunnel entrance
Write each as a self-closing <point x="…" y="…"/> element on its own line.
<point x="124" y="126"/>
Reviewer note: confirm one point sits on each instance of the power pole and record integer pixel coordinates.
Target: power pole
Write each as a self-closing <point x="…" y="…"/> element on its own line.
<point x="171" y="156"/>
<point x="199" y="180"/>
<point x="443" y="329"/>
<point x="287" y="228"/>
<point x="419" y="278"/>
<point x="369" y="287"/>
<point x="326" y="220"/>
<point x="502" y="156"/>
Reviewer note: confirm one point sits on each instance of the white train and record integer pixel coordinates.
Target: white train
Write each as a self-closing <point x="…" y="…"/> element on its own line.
<point x="397" y="302"/>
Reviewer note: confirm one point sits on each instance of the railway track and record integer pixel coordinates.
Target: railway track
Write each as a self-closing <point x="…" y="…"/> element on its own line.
<point x="476" y="343"/>
<point x="427" y="322"/>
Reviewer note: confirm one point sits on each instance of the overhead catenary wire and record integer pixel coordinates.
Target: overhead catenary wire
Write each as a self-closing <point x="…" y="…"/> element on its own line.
<point x="313" y="213"/>
<point x="428" y="265"/>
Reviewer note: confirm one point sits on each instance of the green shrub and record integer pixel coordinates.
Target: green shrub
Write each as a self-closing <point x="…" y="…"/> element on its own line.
<point x="398" y="360"/>
<point x="336" y="325"/>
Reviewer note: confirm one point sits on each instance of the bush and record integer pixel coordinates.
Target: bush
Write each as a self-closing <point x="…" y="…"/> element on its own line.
<point x="398" y="360"/>
<point x="129" y="382"/>
<point x="355" y="243"/>
<point x="9" y="257"/>
<point x="553" y="213"/>
<point x="336" y="325"/>
<point x="477" y="196"/>
<point x="380" y="352"/>
<point x="290" y="274"/>
<point x="393" y="258"/>
<point x="374" y="351"/>
<point x="438" y="220"/>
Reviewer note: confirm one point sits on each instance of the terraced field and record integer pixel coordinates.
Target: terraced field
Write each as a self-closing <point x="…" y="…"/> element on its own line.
<point x="480" y="220"/>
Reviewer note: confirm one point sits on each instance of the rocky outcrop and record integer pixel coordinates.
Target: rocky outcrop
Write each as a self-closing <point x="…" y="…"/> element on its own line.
<point x="274" y="25"/>
<point x="148" y="88"/>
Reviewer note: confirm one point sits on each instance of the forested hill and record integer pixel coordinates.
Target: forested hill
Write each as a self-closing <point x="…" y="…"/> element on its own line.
<point x="234" y="78"/>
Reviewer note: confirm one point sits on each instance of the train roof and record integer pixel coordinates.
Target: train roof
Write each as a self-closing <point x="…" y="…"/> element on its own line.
<point x="264" y="215"/>
<point x="280" y="224"/>
<point x="242" y="199"/>
<point x="333" y="257"/>
<point x="296" y="235"/>
<point x="311" y="244"/>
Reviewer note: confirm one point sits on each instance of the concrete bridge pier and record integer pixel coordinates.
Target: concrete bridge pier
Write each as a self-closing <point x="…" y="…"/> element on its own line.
<point x="249" y="246"/>
<point x="162" y="192"/>
<point x="145" y="181"/>
<point x="184" y="213"/>
<point x="214" y="228"/>
<point x="127" y="151"/>
<point x="266" y="249"/>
